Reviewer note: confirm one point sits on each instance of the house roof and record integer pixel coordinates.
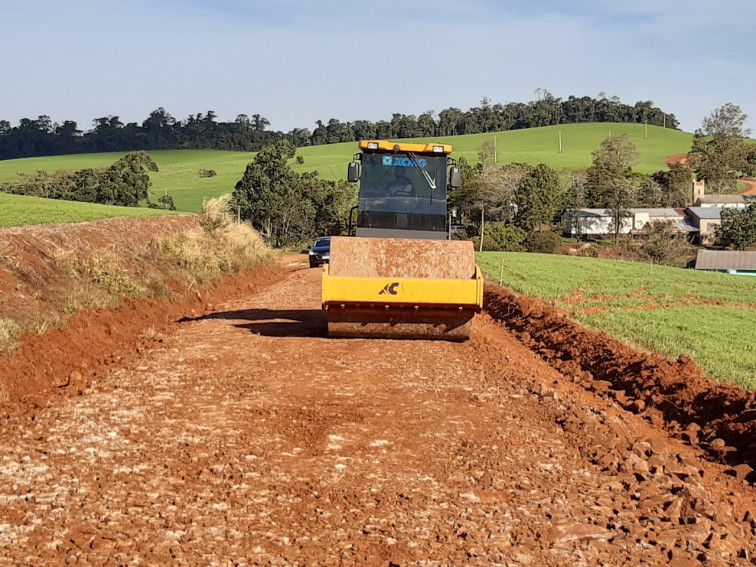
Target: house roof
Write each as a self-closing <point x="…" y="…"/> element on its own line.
<point x="725" y="260"/>
<point x="708" y="213"/>
<point x="658" y="212"/>
<point x="594" y="213"/>
<point x="685" y="226"/>
<point x="723" y="199"/>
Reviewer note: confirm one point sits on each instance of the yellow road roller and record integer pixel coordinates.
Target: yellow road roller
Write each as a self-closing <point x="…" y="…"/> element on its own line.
<point x="400" y="275"/>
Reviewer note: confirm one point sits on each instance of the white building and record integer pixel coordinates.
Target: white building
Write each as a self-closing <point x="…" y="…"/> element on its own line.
<point x="598" y="222"/>
<point x="725" y="201"/>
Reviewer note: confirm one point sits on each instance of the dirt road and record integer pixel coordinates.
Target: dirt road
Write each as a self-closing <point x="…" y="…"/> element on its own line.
<point x="248" y="438"/>
<point x="750" y="186"/>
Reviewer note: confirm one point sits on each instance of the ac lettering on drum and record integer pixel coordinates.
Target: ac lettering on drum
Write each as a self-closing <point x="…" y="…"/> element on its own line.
<point x="389" y="289"/>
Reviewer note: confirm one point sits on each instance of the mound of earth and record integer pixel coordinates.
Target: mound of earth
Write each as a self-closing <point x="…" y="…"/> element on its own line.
<point x="35" y="284"/>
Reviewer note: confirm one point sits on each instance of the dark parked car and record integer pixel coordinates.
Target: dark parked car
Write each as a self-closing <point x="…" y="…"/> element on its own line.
<point x="320" y="252"/>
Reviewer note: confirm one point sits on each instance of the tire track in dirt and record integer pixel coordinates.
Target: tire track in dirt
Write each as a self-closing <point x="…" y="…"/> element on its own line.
<point x="247" y="437"/>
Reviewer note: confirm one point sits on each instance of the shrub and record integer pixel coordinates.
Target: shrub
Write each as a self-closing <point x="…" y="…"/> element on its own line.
<point x="221" y="244"/>
<point x="664" y="247"/>
<point x="508" y="237"/>
<point x="106" y="269"/>
<point x="167" y="202"/>
<point x="207" y="173"/>
<point x="588" y="251"/>
<point x="9" y="333"/>
<point x="544" y="243"/>
<point x="489" y="244"/>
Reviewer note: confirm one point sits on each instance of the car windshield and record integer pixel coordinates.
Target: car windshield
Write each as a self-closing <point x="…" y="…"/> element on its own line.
<point x="322" y="243"/>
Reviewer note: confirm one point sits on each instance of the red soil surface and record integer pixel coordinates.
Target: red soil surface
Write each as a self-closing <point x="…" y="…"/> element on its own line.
<point x="750" y="186"/>
<point x="238" y="433"/>
<point x="676" y="158"/>
<point x="650" y="302"/>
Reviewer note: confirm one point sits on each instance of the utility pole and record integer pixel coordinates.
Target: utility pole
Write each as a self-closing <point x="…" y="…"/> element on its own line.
<point x="482" y="220"/>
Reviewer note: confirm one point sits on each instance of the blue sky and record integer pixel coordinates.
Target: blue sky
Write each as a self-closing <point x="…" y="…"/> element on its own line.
<point x="297" y="61"/>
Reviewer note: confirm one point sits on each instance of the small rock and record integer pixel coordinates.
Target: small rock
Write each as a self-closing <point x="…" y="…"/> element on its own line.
<point x="577" y="532"/>
<point x="741" y="471"/>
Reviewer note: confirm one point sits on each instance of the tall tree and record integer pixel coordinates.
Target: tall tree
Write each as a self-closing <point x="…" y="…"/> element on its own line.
<point x="675" y="184"/>
<point x="619" y="196"/>
<point x="259" y="123"/>
<point x="243" y="121"/>
<point x="650" y="193"/>
<point x="265" y="189"/>
<point x="464" y="198"/>
<point x="613" y="159"/>
<point x="719" y="152"/>
<point x="539" y="198"/>
<point x="576" y="200"/>
<point x="128" y="179"/>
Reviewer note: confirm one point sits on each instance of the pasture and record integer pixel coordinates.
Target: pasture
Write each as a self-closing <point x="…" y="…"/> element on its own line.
<point x="179" y="169"/>
<point x="707" y="316"/>
<point x="17" y="210"/>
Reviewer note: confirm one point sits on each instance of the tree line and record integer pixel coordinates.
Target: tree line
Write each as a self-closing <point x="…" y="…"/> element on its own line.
<point x="126" y="183"/>
<point x="523" y="203"/>
<point x="43" y="137"/>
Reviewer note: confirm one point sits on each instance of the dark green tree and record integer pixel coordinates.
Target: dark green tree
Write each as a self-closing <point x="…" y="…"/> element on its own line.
<point x="263" y="193"/>
<point x="720" y="152"/>
<point x="539" y="198"/>
<point x="127" y="181"/>
<point x="675" y="184"/>
<point x="650" y="193"/>
<point x="286" y="207"/>
<point x="613" y="160"/>
<point x="738" y="228"/>
<point x="464" y="198"/>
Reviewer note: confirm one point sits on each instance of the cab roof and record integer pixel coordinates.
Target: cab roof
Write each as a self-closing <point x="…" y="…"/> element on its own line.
<point x="384" y="146"/>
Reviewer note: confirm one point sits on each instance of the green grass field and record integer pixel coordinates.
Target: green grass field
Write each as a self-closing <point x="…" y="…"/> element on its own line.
<point x="178" y="175"/>
<point x="541" y="145"/>
<point x="179" y="169"/>
<point x="707" y="316"/>
<point x="16" y="210"/>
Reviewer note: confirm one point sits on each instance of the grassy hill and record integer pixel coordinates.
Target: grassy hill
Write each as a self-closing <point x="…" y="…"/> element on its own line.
<point x="707" y="316"/>
<point x="179" y="169"/>
<point x="16" y="210"/>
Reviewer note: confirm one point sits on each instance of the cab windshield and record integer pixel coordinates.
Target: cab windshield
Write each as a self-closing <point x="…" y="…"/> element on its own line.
<point x="403" y="191"/>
